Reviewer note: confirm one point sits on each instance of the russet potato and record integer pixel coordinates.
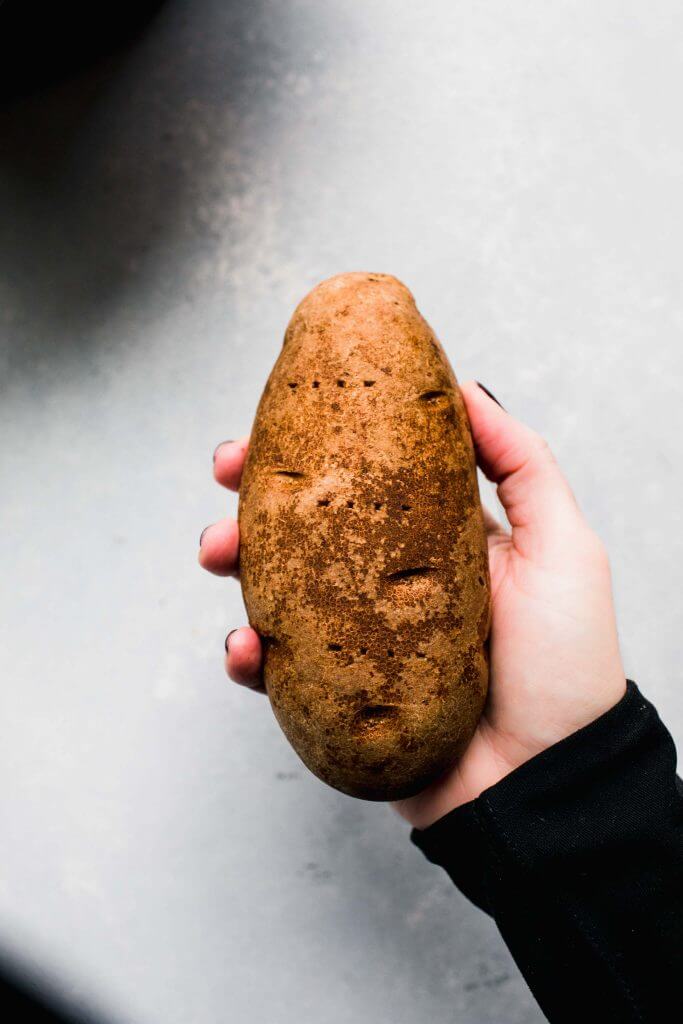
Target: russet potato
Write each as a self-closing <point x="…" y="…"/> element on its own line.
<point x="363" y="553"/>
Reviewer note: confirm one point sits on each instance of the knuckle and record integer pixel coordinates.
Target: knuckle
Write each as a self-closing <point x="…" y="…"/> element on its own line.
<point x="542" y="448"/>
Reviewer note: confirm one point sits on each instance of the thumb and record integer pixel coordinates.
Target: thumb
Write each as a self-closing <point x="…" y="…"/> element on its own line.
<point x="537" y="499"/>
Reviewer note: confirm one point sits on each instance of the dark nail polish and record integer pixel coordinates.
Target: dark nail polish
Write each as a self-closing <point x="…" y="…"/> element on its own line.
<point x="215" y="451"/>
<point x="491" y="395"/>
<point x="201" y="535"/>
<point x="227" y="640"/>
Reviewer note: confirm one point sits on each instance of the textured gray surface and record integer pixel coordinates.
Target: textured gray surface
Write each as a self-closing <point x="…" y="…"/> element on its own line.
<point x="519" y="167"/>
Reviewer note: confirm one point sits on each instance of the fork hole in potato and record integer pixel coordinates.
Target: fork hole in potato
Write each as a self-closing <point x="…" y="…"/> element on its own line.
<point x="373" y="715"/>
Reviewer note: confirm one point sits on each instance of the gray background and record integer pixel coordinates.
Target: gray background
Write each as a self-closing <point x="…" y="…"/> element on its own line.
<point x="519" y="166"/>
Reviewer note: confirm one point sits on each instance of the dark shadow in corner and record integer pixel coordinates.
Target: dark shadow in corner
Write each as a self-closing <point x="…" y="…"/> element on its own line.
<point x="44" y="42"/>
<point x="102" y="175"/>
<point x="29" y="995"/>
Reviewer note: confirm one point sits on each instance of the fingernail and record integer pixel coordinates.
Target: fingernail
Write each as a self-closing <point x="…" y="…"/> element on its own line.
<point x="491" y="395"/>
<point x="201" y="535"/>
<point x="215" y="452"/>
<point x="227" y="640"/>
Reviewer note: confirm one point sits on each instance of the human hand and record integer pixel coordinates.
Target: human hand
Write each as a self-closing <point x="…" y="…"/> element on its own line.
<point x="555" y="661"/>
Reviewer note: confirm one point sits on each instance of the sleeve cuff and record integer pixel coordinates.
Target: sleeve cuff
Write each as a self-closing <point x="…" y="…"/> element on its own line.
<point x="566" y="800"/>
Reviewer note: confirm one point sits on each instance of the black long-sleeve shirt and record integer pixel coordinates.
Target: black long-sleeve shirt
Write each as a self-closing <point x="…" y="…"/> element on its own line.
<point x="578" y="856"/>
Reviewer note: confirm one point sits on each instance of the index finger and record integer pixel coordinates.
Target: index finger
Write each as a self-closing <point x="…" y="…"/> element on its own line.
<point x="228" y="462"/>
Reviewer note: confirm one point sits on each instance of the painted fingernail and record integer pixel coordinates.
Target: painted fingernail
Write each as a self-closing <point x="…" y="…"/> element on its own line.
<point x="490" y="394"/>
<point x="227" y="640"/>
<point x="201" y="535"/>
<point x="215" y="453"/>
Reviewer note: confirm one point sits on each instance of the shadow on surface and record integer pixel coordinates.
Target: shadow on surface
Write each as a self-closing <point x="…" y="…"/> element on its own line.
<point x="46" y="42"/>
<point x="102" y="176"/>
<point x="26" y="995"/>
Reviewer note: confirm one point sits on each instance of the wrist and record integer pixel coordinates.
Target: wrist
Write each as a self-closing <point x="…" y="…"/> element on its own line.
<point x="493" y="754"/>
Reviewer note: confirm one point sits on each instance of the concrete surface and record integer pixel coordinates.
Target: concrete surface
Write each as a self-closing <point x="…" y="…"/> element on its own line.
<point x="519" y="166"/>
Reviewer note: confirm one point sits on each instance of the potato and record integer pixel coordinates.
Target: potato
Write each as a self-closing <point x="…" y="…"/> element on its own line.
<point x="363" y="554"/>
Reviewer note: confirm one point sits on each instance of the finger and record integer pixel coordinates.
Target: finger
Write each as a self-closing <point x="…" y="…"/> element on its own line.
<point x="219" y="548"/>
<point x="243" y="658"/>
<point x="228" y="462"/>
<point x="537" y="499"/>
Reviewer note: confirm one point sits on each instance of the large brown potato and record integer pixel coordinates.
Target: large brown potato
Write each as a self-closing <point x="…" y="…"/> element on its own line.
<point x="363" y="554"/>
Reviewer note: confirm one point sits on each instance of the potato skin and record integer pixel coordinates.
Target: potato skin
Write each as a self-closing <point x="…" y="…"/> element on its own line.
<point x="363" y="553"/>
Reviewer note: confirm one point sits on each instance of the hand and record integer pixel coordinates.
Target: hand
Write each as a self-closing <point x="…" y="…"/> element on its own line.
<point x="555" y="661"/>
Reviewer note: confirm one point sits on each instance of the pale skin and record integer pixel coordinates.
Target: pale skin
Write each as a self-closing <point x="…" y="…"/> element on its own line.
<point x="555" y="660"/>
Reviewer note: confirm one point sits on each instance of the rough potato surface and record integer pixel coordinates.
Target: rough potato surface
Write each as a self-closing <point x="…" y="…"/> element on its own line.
<point x="363" y="553"/>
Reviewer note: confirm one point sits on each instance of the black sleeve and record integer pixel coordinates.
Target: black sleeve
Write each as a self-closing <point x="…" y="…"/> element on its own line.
<point x="578" y="855"/>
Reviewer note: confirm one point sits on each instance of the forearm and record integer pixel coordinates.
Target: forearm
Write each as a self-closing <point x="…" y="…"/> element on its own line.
<point x="578" y="855"/>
